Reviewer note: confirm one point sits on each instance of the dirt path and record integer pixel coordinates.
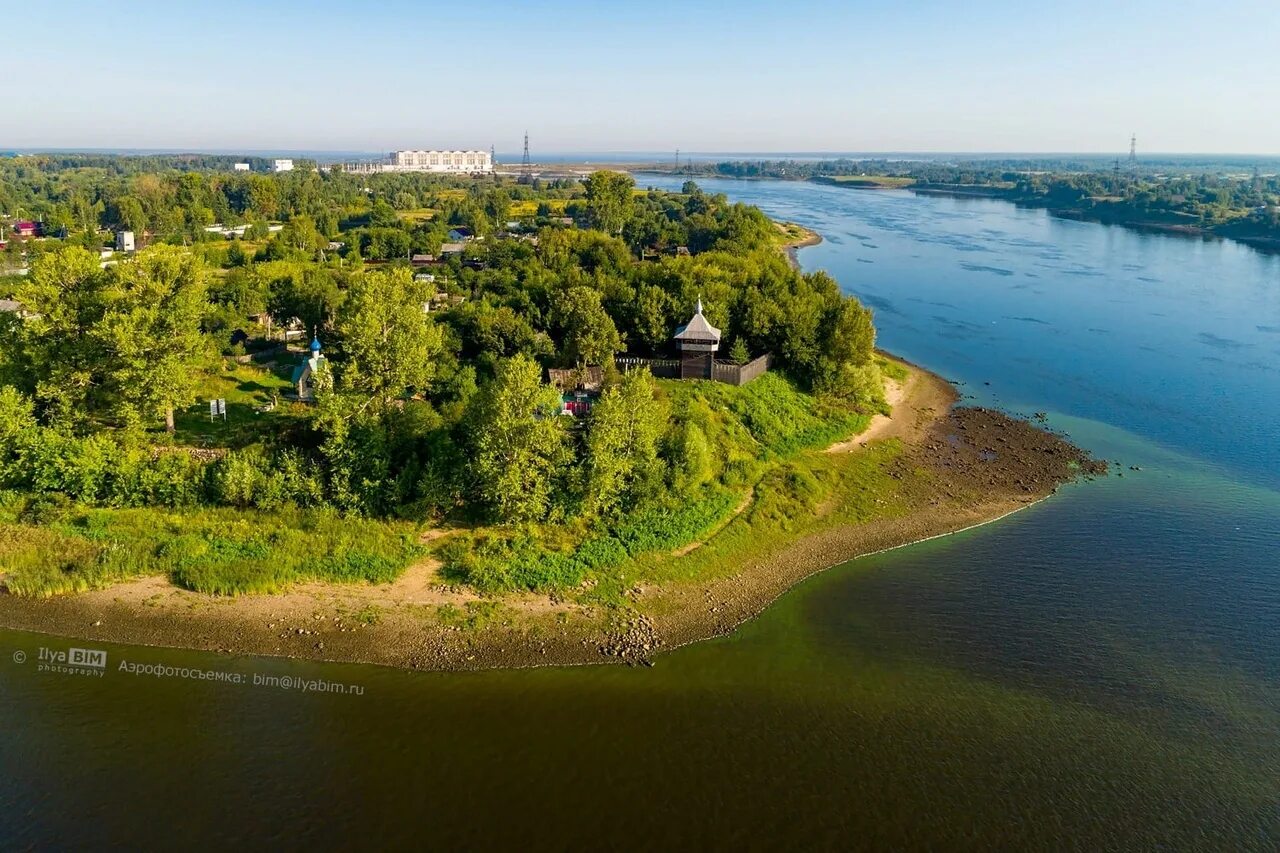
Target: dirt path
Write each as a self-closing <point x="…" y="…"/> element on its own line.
<point x="737" y="511"/>
<point x="914" y="405"/>
<point x="912" y="409"/>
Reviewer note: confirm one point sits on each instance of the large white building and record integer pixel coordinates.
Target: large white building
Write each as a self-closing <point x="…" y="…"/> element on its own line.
<point x="456" y="162"/>
<point x="282" y="165"/>
<point x="441" y="161"/>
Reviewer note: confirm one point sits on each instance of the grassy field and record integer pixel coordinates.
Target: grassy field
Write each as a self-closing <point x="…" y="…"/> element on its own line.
<point x="418" y="215"/>
<point x="247" y="388"/>
<point x="870" y="181"/>
<point x="524" y="209"/>
<point x="811" y="492"/>
<point x="518" y="210"/>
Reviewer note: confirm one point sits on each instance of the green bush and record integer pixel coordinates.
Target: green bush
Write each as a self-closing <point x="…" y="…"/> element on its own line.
<point x="236" y="479"/>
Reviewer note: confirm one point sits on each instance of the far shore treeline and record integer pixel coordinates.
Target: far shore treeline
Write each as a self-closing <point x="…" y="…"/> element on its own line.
<point x="431" y="403"/>
<point x="1234" y="197"/>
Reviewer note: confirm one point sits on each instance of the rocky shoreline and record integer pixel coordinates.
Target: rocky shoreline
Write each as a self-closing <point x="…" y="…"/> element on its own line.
<point x="981" y="464"/>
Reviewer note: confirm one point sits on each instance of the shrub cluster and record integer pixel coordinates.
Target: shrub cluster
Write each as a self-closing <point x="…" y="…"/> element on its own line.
<point x="217" y="551"/>
<point x="494" y="564"/>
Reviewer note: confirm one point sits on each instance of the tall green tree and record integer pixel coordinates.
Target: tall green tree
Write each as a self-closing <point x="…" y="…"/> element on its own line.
<point x="622" y="445"/>
<point x="609" y="201"/>
<point x="588" y="334"/>
<point x="264" y="196"/>
<point x="518" y="442"/>
<point x="851" y="334"/>
<point x="131" y="215"/>
<point x="53" y="351"/>
<point x="497" y="204"/>
<point x="153" y="348"/>
<point x="845" y="367"/>
<point x="301" y="235"/>
<point x="650" y="322"/>
<point x="307" y="292"/>
<point x="390" y="344"/>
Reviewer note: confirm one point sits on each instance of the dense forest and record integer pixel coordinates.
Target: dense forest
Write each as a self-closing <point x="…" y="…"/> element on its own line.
<point x="431" y="401"/>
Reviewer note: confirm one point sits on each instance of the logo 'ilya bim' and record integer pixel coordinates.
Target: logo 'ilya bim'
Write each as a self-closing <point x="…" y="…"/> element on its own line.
<point x="73" y="661"/>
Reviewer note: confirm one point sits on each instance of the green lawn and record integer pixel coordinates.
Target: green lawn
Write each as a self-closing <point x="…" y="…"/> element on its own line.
<point x="247" y="388"/>
<point x="418" y="215"/>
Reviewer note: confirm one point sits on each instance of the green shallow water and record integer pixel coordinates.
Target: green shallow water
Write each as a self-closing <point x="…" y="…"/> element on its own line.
<point x="1100" y="671"/>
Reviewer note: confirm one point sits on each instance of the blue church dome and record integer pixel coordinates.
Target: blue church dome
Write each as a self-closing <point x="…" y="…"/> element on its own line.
<point x="315" y="344"/>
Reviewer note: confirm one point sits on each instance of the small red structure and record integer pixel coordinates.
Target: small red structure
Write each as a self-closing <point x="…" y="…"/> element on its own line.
<point x="27" y="228"/>
<point x="579" y="407"/>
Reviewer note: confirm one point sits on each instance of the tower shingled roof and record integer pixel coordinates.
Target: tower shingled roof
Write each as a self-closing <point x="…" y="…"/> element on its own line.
<point x="697" y="329"/>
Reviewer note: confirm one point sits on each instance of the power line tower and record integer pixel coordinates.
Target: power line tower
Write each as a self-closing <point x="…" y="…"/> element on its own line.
<point x="1115" y="174"/>
<point x="1133" y="151"/>
<point x="526" y="167"/>
<point x="677" y="159"/>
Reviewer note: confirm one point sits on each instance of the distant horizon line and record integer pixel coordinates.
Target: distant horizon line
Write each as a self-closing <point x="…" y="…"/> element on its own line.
<point x="561" y="154"/>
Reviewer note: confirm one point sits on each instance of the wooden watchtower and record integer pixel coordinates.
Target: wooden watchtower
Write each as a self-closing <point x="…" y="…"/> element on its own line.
<point x="697" y="341"/>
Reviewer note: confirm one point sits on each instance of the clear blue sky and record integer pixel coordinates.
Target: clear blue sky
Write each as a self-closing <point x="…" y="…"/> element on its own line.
<point x="702" y="75"/>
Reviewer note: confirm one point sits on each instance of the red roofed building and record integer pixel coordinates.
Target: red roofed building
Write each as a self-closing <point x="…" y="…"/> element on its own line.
<point x="27" y="228"/>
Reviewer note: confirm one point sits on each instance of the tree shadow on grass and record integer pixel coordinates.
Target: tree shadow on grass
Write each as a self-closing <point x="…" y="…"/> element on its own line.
<point x="252" y="387"/>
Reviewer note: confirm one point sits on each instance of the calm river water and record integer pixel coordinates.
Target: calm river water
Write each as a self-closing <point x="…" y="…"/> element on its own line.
<point x="1102" y="670"/>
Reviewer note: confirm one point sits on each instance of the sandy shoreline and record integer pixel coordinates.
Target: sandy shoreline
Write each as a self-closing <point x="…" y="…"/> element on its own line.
<point x="790" y="249"/>
<point x="398" y="624"/>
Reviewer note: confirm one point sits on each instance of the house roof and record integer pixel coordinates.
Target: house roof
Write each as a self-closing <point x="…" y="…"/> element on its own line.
<point x="452" y="248"/>
<point x="697" y="329"/>
<point x="590" y="377"/>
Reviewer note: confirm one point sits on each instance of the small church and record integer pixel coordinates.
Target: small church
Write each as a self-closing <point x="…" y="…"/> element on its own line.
<point x="304" y="374"/>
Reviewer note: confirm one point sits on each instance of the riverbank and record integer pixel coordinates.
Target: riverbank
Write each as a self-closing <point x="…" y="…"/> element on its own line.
<point x="1101" y="215"/>
<point x="792" y="237"/>
<point x="948" y="469"/>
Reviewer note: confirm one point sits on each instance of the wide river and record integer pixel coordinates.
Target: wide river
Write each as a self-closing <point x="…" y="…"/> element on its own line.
<point x="1100" y="671"/>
